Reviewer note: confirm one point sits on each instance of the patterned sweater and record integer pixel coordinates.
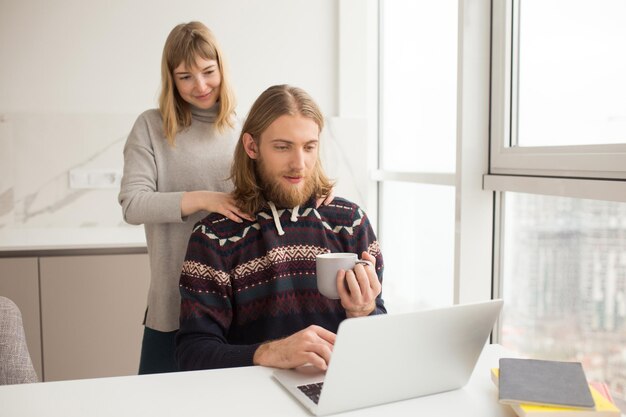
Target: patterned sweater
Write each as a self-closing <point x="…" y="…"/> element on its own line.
<point x="243" y="284"/>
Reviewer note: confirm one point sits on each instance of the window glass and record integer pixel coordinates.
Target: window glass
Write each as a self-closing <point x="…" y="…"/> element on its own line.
<point x="417" y="241"/>
<point x="564" y="283"/>
<point x="571" y="72"/>
<point x="418" y="85"/>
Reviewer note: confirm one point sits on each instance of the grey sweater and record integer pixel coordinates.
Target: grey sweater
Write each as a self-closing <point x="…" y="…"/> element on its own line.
<point x="155" y="177"/>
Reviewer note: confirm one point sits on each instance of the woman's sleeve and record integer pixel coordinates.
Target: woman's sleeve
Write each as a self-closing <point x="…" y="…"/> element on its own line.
<point x="139" y="198"/>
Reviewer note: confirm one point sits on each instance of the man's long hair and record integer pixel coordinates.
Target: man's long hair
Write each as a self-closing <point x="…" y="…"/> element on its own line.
<point x="186" y="43"/>
<point x="276" y="101"/>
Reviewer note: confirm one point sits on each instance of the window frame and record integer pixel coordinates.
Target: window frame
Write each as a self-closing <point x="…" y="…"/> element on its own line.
<point x="486" y="168"/>
<point x="596" y="172"/>
<point x="381" y="176"/>
<point x="602" y="162"/>
<point x="474" y="206"/>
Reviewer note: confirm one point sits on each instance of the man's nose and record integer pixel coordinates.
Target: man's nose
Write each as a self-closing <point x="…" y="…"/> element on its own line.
<point x="297" y="160"/>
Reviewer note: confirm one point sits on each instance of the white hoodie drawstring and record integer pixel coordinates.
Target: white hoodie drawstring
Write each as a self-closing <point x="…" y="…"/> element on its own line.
<point x="294" y="214"/>
<point x="279" y="227"/>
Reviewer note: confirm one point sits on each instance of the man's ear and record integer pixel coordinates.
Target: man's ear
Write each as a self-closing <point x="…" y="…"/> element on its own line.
<point x="250" y="146"/>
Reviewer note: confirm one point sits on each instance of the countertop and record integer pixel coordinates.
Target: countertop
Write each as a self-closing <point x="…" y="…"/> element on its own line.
<point x="64" y="241"/>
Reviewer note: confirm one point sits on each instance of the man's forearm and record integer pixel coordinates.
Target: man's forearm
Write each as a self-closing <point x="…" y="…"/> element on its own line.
<point x="203" y="352"/>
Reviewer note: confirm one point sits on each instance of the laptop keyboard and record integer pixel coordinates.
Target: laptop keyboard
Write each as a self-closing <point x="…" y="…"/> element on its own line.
<point x="312" y="391"/>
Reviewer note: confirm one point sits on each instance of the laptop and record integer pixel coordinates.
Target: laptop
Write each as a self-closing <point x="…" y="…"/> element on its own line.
<point x="385" y="358"/>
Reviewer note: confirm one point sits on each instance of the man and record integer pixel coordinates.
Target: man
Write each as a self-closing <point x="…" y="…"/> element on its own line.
<point x="249" y="293"/>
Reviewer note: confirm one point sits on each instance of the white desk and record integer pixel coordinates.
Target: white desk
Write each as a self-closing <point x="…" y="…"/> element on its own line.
<point x="234" y="392"/>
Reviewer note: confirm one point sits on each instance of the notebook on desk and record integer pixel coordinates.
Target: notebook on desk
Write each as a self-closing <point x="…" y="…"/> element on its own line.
<point x="386" y="358"/>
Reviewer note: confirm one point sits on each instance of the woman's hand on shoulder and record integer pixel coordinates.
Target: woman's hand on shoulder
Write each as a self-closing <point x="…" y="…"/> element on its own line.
<point x="327" y="199"/>
<point x="214" y="202"/>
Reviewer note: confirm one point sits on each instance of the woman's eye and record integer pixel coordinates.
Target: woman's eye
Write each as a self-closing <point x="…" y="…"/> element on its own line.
<point x="184" y="77"/>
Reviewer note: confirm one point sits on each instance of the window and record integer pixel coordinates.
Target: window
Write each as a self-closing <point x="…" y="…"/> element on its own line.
<point x="558" y="88"/>
<point x="571" y="82"/>
<point x="558" y="166"/>
<point x="420" y="258"/>
<point x="564" y="283"/>
<point x="417" y="150"/>
<point x="418" y="95"/>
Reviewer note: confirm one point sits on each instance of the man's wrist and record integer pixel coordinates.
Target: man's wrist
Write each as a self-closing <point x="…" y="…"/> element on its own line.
<point x="259" y="355"/>
<point x="366" y="311"/>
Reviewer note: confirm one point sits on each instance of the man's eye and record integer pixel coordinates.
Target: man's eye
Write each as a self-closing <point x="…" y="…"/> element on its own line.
<point x="280" y="148"/>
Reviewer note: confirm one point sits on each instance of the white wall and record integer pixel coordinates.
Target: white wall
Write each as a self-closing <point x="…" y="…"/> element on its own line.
<point x="74" y="56"/>
<point x="75" y="74"/>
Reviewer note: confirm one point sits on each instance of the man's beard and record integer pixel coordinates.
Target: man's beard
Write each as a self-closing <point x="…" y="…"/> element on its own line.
<point x="282" y="194"/>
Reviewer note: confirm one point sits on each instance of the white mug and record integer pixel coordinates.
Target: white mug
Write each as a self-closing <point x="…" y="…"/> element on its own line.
<point x="327" y="265"/>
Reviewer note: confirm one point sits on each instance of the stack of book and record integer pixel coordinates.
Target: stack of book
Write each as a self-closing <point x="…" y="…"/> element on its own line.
<point x="540" y="388"/>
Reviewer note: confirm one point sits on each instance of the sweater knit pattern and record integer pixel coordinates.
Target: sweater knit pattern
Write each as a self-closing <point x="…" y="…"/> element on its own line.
<point x="242" y="283"/>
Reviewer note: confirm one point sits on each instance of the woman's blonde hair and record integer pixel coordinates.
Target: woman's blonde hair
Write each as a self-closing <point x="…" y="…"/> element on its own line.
<point x="276" y="101"/>
<point x="185" y="44"/>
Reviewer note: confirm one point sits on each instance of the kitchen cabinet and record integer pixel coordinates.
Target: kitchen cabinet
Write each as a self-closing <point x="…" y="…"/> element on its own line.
<point x="92" y="309"/>
<point x="82" y="314"/>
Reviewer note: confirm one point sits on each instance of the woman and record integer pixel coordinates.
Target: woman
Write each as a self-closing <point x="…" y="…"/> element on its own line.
<point x="176" y="164"/>
<point x="176" y="161"/>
